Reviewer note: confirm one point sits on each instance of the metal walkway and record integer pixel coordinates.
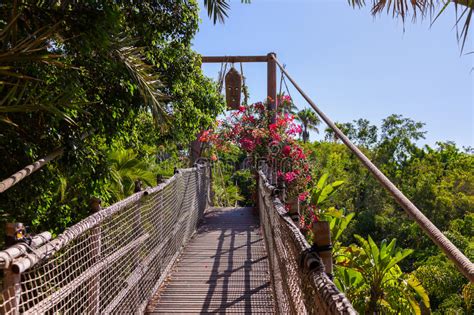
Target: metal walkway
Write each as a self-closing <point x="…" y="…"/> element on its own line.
<point x="224" y="269"/>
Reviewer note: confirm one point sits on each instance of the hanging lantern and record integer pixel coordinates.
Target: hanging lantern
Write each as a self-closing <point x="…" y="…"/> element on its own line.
<point x="233" y="88"/>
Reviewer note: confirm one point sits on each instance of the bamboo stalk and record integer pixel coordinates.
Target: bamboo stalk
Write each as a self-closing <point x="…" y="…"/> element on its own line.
<point x="8" y="255"/>
<point x="28" y="170"/>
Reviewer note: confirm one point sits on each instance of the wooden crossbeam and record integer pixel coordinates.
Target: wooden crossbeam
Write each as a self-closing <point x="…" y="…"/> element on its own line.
<point x="219" y="59"/>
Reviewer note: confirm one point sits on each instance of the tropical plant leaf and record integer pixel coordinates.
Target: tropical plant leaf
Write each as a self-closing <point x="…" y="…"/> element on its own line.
<point x="125" y="169"/>
<point x="328" y="190"/>
<point x="27" y="98"/>
<point x="339" y="224"/>
<point x="149" y="84"/>
<point x="399" y="256"/>
<point x="416" y="285"/>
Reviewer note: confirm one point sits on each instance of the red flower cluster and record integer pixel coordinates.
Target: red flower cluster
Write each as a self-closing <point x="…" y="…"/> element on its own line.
<point x="263" y="136"/>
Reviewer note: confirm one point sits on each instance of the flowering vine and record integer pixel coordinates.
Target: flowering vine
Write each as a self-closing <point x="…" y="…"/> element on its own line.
<point x="265" y="136"/>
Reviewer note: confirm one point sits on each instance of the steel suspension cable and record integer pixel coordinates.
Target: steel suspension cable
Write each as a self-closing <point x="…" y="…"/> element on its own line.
<point x="464" y="265"/>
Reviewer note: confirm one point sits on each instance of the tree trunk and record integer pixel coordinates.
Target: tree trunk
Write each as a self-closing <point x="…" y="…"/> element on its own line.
<point x="374" y="297"/>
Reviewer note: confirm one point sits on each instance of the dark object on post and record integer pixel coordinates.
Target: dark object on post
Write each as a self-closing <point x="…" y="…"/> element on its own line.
<point x="233" y="88"/>
<point x="310" y="260"/>
<point x="138" y="186"/>
<point x="159" y="179"/>
<point x="15" y="233"/>
<point x="95" y="204"/>
<point x="322" y="244"/>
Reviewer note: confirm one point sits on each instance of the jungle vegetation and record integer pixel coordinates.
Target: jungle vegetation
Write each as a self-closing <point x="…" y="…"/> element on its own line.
<point x="109" y="95"/>
<point x="384" y="262"/>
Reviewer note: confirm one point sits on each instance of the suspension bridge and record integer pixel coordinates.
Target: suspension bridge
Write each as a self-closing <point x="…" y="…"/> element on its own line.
<point x="166" y="249"/>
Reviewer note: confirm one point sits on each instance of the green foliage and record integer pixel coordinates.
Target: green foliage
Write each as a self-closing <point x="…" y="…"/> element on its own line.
<point x="125" y="170"/>
<point x="245" y="181"/>
<point x="439" y="180"/>
<point x="440" y="279"/>
<point x="377" y="282"/>
<point x="323" y="190"/>
<point x="319" y="196"/>
<point x="118" y="81"/>
<point x="226" y="191"/>
<point x="339" y="224"/>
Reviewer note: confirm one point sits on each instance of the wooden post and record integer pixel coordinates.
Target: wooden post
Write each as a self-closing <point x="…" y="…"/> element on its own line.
<point x="138" y="186"/>
<point x="322" y="240"/>
<point x="137" y="256"/>
<point x="159" y="179"/>
<point x="196" y="147"/>
<point x="271" y="83"/>
<point x="96" y="240"/>
<point x="14" y="232"/>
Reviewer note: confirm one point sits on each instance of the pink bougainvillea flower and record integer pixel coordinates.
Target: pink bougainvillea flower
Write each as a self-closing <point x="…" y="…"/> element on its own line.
<point x="303" y="196"/>
<point x="290" y="176"/>
<point x="276" y="137"/>
<point x="299" y="129"/>
<point x="286" y="150"/>
<point x="214" y="157"/>
<point x="247" y="144"/>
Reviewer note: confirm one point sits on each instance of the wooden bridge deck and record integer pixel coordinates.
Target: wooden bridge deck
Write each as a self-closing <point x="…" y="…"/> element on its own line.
<point x="224" y="269"/>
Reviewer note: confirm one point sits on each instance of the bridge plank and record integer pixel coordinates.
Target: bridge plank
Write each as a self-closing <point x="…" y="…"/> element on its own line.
<point x="224" y="268"/>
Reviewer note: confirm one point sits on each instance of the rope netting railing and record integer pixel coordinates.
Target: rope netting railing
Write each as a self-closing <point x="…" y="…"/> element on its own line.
<point x="114" y="260"/>
<point x="299" y="282"/>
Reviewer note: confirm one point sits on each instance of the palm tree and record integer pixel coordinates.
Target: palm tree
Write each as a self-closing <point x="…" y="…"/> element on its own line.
<point x="125" y="169"/>
<point x="309" y="121"/>
<point x="331" y="136"/>
<point x="22" y="49"/>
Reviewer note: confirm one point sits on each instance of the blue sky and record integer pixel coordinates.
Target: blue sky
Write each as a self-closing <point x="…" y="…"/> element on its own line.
<point x="353" y="65"/>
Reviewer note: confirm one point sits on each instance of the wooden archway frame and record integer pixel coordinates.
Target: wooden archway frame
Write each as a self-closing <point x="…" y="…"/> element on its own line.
<point x="270" y="59"/>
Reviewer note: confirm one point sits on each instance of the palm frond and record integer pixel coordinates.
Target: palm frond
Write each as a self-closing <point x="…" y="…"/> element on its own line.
<point x="404" y="8"/>
<point x="217" y="10"/>
<point x="20" y="91"/>
<point x="26" y="97"/>
<point x="33" y="48"/>
<point x="125" y="169"/>
<point x="467" y="12"/>
<point x="149" y="84"/>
